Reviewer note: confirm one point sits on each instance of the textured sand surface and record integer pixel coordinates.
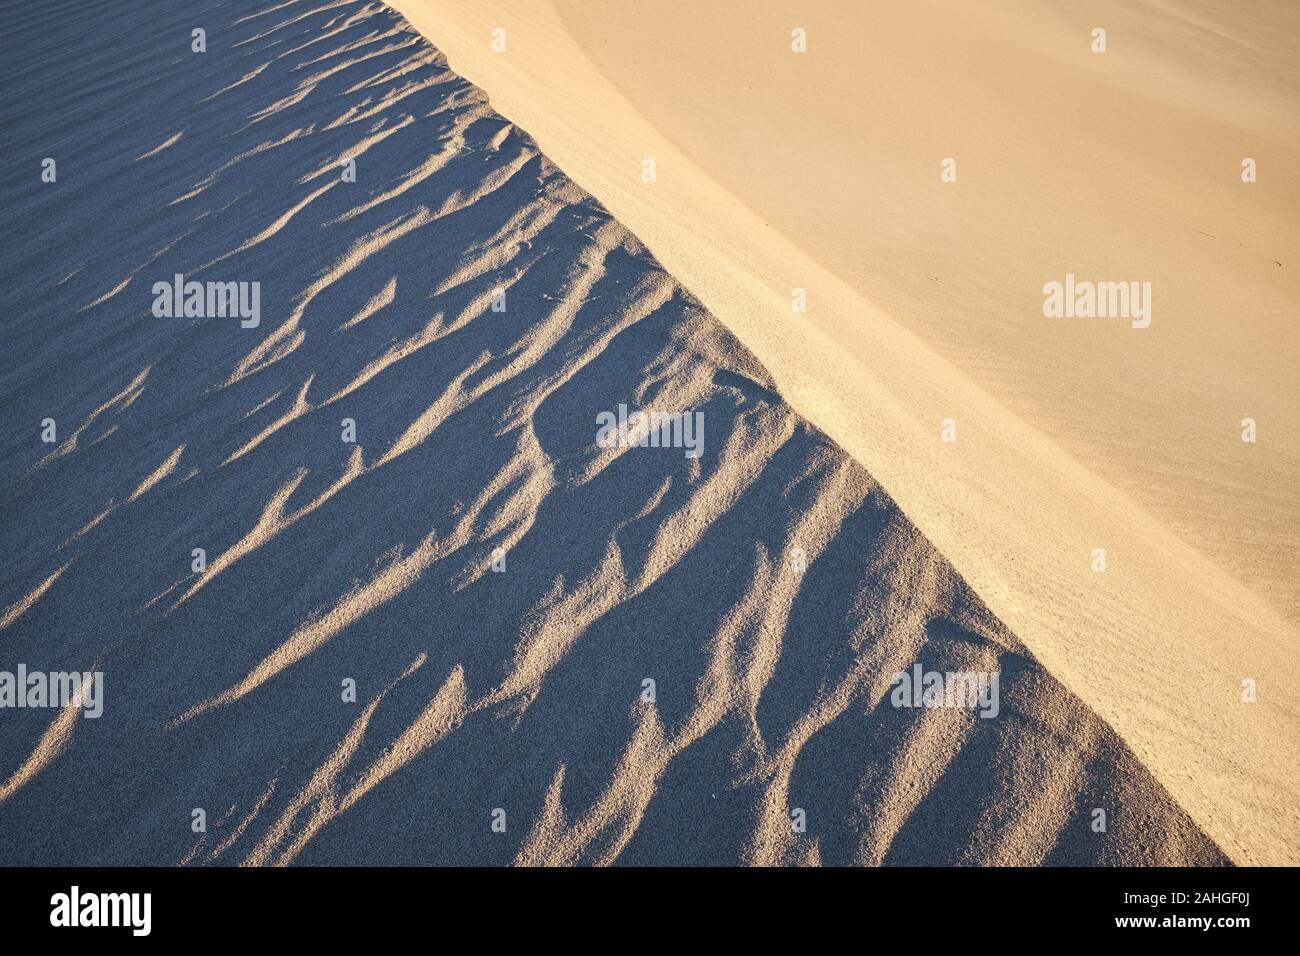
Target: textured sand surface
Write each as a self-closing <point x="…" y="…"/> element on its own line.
<point x="476" y="690"/>
<point x="820" y="171"/>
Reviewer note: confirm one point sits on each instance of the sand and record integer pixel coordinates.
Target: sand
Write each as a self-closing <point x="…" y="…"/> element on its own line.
<point x="768" y="588"/>
<point x="925" y="304"/>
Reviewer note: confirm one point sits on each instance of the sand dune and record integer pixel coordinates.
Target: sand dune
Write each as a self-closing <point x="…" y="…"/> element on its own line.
<point x="924" y="303"/>
<point x="769" y="587"/>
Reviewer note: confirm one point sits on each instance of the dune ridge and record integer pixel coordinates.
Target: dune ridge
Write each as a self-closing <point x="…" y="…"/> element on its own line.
<point x="768" y="588"/>
<point x="1159" y="646"/>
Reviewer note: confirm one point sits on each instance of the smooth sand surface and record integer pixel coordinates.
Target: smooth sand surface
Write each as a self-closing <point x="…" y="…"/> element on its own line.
<point x="769" y="588"/>
<point x="821" y="171"/>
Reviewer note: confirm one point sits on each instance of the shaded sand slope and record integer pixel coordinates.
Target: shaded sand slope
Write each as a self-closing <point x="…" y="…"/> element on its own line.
<point x="820" y="172"/>
<point x="329" y="561"/>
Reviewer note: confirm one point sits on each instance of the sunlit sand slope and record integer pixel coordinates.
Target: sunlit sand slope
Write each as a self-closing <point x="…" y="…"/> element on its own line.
<point x="769" y="588"/>
<point x="783" y="176"/>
